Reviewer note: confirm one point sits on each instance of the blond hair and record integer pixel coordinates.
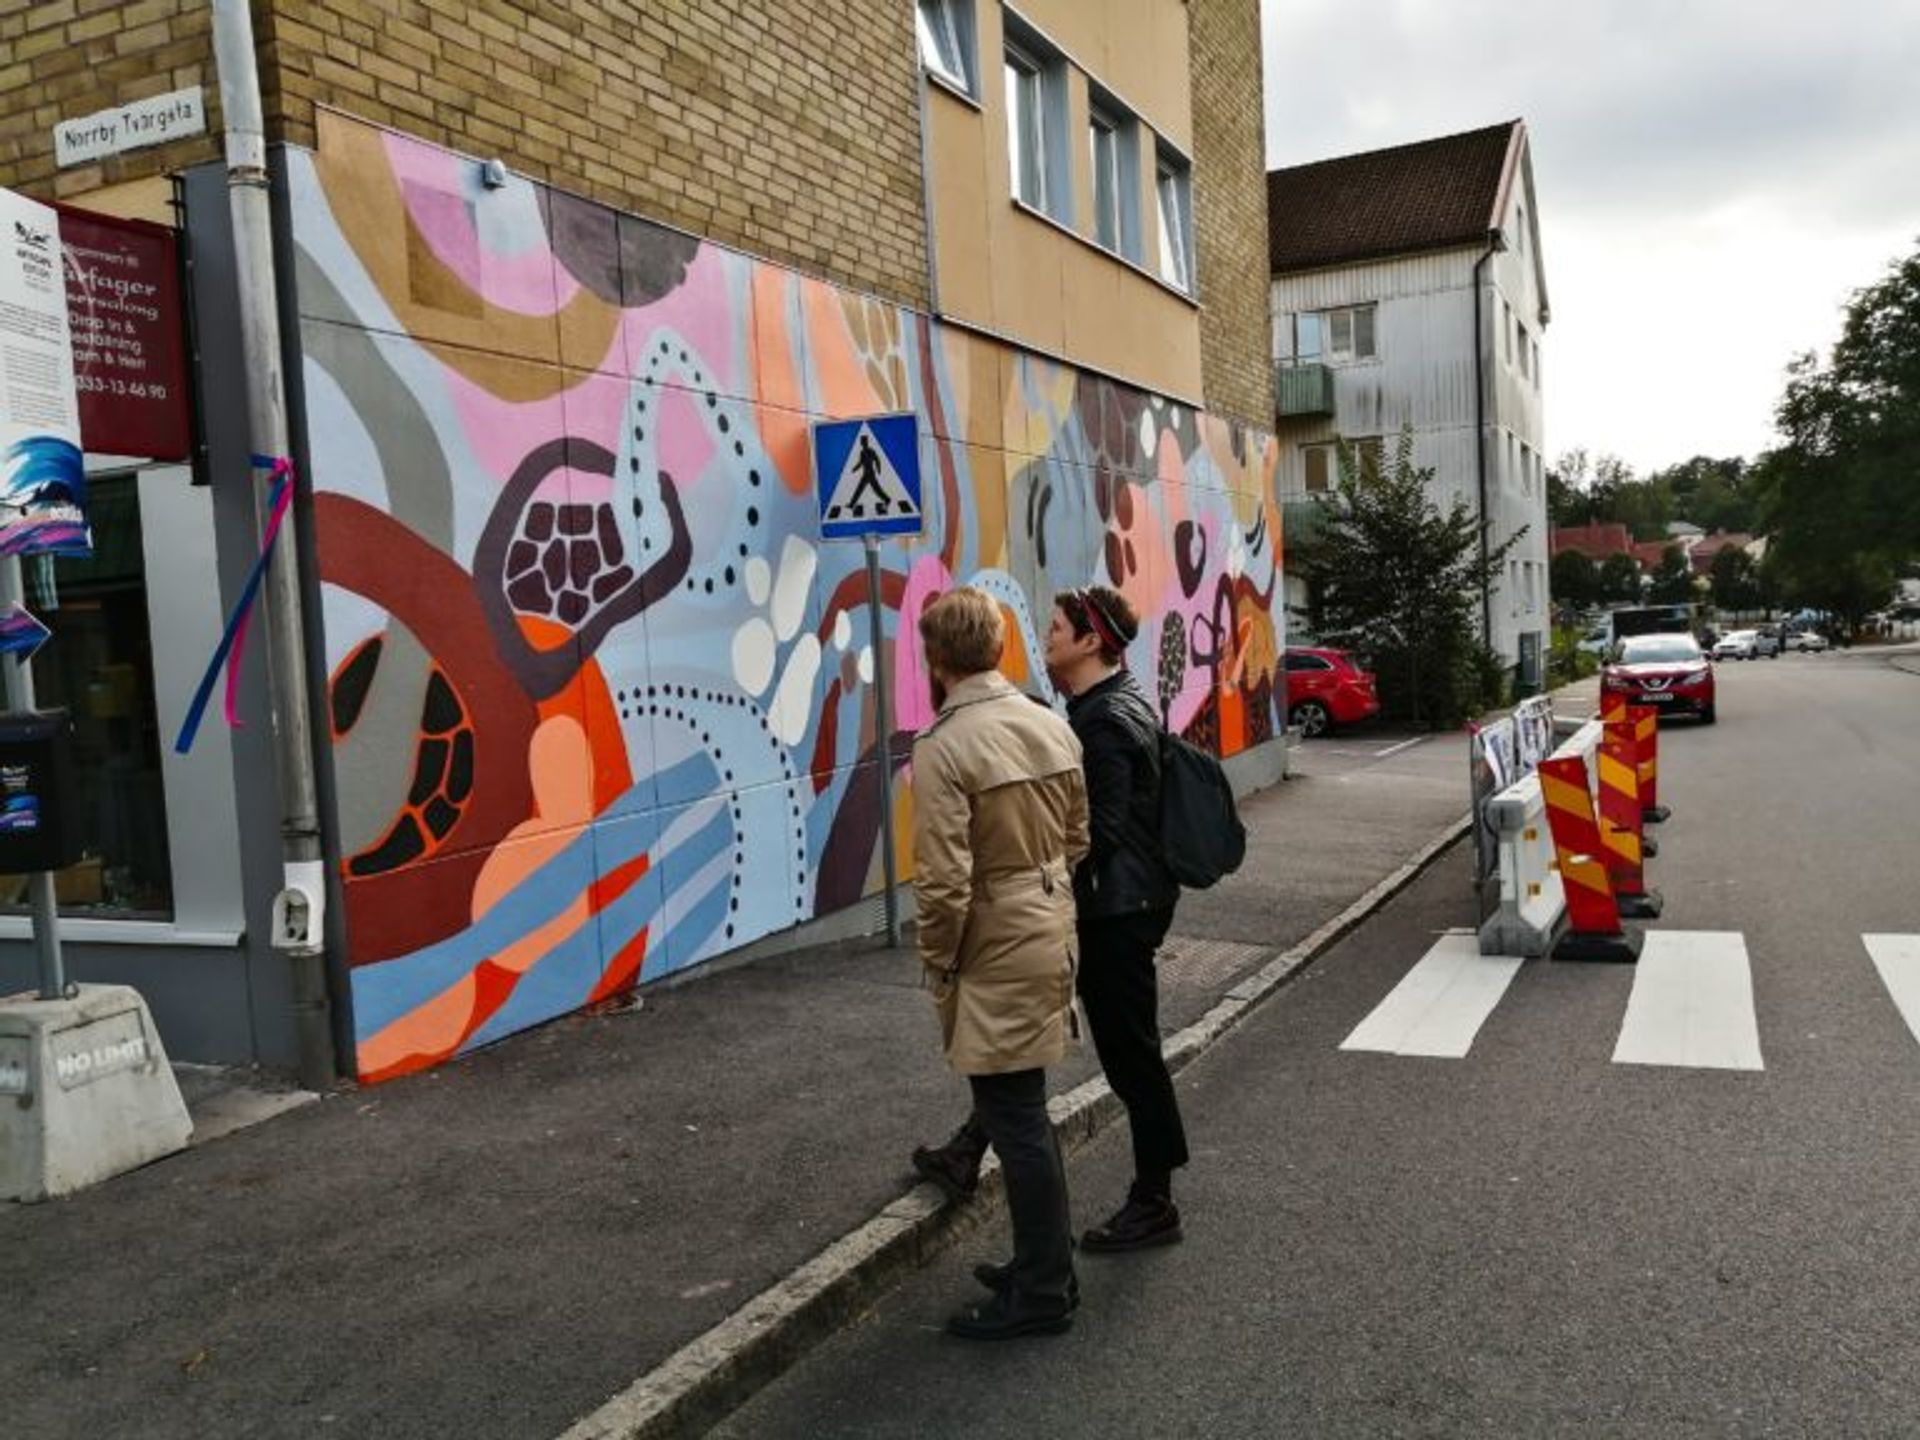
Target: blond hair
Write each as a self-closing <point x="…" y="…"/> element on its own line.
<point x="963" y="632"/>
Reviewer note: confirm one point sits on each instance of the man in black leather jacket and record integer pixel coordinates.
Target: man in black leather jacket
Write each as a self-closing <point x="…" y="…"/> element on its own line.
<point x="1125" y="897"/>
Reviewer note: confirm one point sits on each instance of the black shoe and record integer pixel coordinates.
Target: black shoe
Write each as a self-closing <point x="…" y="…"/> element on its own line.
<point x="954" y="1166"/>
<point x="1143" y="1222"/>
<point x="1005" y="1318"/>
<point x="999" y="1279"/>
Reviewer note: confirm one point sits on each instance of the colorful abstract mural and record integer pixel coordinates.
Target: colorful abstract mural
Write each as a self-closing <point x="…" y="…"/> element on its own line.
<point x="599" y="695"/>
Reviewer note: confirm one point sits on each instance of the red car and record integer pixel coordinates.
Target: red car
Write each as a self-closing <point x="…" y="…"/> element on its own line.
<point x="1667" y="672"/>
<point x="1326" y="688"/>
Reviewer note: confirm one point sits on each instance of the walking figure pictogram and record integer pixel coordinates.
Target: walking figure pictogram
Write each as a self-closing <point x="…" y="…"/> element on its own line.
<point x="868" y="468"/>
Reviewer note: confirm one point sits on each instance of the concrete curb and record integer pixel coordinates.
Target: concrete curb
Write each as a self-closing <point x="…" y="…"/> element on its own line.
<point x="699" y="1385"/>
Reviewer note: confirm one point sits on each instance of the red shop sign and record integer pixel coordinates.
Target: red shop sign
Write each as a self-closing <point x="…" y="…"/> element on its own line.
<point x="129" y="341"/>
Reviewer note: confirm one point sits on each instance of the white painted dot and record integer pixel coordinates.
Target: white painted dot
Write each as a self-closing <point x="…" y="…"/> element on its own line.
<point x="759" y="579"/>
<point x="753" y="655"/>
<point x="792" y="706"/>
<point x="842" y="631"/>
<point x="865" y="664"/>
<point x="1146" y="433"/>
<point x="797" y="560"/>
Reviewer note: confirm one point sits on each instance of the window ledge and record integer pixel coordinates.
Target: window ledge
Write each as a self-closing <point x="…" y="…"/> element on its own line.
<point x="1145" y="274"/>
<point x="953" y="88"/>
<point x="91" y="931"/>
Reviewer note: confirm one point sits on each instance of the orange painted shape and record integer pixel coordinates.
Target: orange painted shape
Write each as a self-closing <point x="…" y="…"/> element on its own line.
<point x="623" y="971"/>
<point x="1014" y="661"/>
<point x="610" y="887"/>
<point x="1591" y="909"/>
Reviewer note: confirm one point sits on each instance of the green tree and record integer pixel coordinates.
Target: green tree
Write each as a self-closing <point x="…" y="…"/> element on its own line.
<point x="1619" y="578"/>
<point x="1397" y="580"/>
<point x="1672" y="578"/>
<point x="1839" y="496"/>
<point x="1736" y="581"/>
<point x="1573" y="580"/>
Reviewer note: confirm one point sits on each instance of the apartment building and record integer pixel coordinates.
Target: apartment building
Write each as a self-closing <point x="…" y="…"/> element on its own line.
<point x="1409" y="292"/>
<point x="565" y="288"/>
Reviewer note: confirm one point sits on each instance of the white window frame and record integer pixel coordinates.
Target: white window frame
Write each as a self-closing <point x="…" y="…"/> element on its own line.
<point x="1026" y="127"/>
<point x="1173" y="190"/>
<point x="945" y="29"/>
<point x="1328" y="324"/>
<point x="1369" y="450"/>
<point x="1116" y="216"/>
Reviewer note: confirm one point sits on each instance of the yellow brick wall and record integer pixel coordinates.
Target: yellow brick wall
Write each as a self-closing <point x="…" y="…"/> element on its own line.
<point x="1230" y="209"/>
<point x="786" y="128"/>
<point x="62" y="59"/>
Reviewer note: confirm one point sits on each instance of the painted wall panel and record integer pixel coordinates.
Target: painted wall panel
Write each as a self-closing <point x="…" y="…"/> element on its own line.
<point x="600" y="699"/>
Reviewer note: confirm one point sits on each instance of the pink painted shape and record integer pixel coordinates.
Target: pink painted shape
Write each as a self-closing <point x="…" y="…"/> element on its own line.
<point x="435" y="189"/>
<point x="498" y="432"/>
<point x="912" y="701"/>
<point x="710" y="316"/>
<point x="681" y="439"/>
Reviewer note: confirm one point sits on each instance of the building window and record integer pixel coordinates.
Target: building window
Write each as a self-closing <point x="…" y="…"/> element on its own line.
<point x="1322" y="462"/>
<point x="946" y="40"/>
<point x="1174" y="184"/>
<point x="1337" y="337"/>
<point x="1037" y="125"/>
<point x="99" y="666"/>
<point x="1113" y="143"/>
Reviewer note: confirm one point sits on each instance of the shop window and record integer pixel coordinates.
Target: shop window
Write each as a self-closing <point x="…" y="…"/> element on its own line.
<point x="98" y="665"/>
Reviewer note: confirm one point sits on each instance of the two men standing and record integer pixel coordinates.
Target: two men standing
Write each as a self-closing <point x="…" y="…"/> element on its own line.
<point x="1037" y="845"/>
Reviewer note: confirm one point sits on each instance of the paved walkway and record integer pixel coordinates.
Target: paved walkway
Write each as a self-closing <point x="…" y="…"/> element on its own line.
<point x="497" y="1247"/>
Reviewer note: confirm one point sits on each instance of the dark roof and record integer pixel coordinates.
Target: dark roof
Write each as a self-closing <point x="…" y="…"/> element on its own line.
<point x="1425" y="196"/>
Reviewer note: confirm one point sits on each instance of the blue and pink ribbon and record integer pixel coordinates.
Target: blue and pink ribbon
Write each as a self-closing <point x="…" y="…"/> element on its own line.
<point x="233" y="640"/>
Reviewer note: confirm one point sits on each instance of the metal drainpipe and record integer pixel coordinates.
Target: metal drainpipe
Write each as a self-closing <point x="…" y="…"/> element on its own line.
<point x="1480" y="442"/>
<point x="299" y="910"/>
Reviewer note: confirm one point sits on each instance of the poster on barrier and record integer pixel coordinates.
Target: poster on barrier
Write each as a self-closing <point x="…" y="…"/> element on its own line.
<point x="43" y="482"/>
<point x="1499" y="753"/>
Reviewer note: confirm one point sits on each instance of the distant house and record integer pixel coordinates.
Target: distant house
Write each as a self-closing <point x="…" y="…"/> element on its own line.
<point x="1700" y="555"/>
<point x="1596" y="542"/>
<point x="1408" y="291"/>
<point x="1649" y="553"/>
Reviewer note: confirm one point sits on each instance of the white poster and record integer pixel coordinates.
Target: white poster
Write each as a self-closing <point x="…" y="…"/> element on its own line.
<point x="43" y="482"/>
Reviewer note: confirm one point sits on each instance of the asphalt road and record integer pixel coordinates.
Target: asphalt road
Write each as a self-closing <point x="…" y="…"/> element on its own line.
<point x="1532" y="1239"/>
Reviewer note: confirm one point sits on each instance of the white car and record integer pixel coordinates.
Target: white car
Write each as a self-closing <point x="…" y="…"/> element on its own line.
<point x="1736" y="645"/>
<point x="1806" y="640"/>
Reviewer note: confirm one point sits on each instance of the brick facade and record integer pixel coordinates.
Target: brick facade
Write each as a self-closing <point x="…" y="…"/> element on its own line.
<point x="790" y="130"/>
<point x="1230" y="209"/>
<point x="62" y="59"/>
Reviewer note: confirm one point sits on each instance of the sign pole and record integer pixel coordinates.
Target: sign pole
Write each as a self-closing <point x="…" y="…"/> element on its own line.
<point x="883" y="723"/>
<point x="40" y="896"/>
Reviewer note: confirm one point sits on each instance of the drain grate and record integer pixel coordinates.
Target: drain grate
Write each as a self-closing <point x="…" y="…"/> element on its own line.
<point x="1189" y="963"/>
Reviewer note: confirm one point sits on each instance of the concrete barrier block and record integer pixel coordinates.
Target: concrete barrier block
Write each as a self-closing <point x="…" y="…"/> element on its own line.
<point x="85" y="1092"/>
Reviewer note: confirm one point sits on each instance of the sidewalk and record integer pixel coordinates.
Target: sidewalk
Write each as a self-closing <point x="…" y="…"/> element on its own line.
<point x="498" y="1247"/>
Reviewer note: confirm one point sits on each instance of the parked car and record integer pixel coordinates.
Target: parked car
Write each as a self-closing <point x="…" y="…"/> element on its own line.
<point x="1734" y="645"/>
<point x="1747" y="645"/>
<point x="1668" y="672"/>
<point x="1596" y="640"/>
<point x="1806" y="640"/>
<point x="1326" y="688"/>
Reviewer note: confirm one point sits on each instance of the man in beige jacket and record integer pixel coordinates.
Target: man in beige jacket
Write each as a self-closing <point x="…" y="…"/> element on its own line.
<point x="1000" y="821"/>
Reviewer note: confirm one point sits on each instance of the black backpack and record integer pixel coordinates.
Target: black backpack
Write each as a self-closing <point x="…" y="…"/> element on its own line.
<point x="1201" y="837"/>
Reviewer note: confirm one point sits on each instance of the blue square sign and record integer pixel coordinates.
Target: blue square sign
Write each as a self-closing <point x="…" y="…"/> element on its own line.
<point x="867" y="475"/>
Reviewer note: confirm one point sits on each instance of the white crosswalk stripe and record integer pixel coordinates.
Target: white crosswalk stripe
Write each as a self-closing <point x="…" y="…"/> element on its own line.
<point x="1441" y="1003"/>
<point x="1692" y="1003"/>
<point x="1897" y="958"/>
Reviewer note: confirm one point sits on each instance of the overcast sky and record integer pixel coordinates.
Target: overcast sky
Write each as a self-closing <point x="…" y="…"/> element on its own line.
<point x="1715" y="178"/>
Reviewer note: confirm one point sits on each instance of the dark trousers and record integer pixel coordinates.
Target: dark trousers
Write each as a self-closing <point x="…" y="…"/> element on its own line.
<point x="1012" y="1109"/>
<point x="1121" y="994"/>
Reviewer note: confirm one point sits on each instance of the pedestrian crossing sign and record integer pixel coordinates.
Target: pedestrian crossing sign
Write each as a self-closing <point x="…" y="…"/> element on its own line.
<point x="867" y="476"/>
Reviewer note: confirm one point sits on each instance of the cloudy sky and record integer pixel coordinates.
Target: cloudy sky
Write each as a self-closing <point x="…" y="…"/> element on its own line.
<point x="1715" y="178"/>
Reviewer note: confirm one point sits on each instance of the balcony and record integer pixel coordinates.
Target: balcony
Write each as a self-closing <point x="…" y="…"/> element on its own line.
<point x="1302" y="390"/>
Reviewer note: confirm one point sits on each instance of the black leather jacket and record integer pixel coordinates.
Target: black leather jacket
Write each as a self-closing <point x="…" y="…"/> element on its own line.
<point x="1119" y="732"/>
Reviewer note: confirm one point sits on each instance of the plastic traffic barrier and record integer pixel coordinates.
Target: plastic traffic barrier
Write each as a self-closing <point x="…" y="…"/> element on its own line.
<point x="1646" y="723"/>
<point x="1532" y="907"/>
<point x="1617" y="774"/>
<point x="1594" y="928"/>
